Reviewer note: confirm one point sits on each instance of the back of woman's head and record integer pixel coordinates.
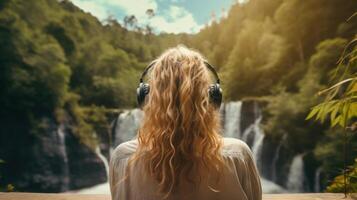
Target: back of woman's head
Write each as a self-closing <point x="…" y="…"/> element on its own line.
<point x="180" y="132"/>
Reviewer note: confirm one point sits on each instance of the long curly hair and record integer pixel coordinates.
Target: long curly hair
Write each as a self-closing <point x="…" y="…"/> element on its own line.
<point x="180" y="133"/>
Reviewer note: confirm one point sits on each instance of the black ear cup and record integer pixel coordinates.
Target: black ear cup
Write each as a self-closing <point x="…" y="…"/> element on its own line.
<point x="215" y="94"/>
<point x="141" y="92"/>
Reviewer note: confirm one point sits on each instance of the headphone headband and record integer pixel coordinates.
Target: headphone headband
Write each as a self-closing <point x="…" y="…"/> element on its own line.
<point x="209" y="66"/>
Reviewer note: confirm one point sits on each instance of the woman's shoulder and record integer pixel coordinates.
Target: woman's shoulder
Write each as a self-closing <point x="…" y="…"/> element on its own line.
<point x="231" y="147"/>
<point x="235" y="147"/>
<point x="125" y="150"/>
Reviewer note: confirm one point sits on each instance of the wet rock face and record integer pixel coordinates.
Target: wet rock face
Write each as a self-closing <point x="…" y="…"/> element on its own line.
<point x="269" y="156"/>
<point x="249" y="111"/>
<point x="50" y="161"/>
<point x="85" y="168"/>
<point x="37" y="163"/>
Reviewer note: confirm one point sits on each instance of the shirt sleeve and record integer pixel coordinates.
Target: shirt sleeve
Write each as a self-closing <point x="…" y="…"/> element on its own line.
<point x="113" y="175"/>
<point x="117" y="177"/>
<point x="246" y="170"/>
<point x="251" y="181"/>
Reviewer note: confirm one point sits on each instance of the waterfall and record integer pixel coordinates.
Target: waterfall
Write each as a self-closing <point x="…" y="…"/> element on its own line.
<point x="257" y="146"/>
<point x="295" y="182"/>
<point x="103" y="159"/>
<point x="276" y="158"/>
<point x="62" y="146"/>
<point x="251" y="135"/>
<point x="126" y="126"/>
<point x="256" y="134"/>
<point x="232" y="118"/>
<point x="317" y="186"/>
<point x="127" y="123"/>
<point x="247" y="133"/>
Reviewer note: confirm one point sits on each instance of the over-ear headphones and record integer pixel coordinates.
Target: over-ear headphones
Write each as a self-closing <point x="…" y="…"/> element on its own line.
<point x="214" y="90"/>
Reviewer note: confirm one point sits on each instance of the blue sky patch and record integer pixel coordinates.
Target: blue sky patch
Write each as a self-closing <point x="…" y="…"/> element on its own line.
<point x="171" y="16"/>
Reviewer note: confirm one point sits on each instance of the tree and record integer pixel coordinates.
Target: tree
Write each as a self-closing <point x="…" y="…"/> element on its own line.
<point x="150" y="13"/>
<point x="130" y="21"/>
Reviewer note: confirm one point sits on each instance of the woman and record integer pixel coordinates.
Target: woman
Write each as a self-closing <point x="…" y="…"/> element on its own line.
<point x="179" y="153"/>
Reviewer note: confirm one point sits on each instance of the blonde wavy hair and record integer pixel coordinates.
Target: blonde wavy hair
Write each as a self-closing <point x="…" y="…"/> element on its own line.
<point x="179" y="137"/>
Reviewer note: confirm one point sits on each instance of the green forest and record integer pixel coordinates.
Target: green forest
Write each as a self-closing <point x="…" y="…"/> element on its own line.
<point x="57" y="60"/>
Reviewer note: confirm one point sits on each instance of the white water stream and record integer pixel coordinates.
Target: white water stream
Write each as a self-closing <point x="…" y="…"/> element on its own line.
<point x="295" y="182"/>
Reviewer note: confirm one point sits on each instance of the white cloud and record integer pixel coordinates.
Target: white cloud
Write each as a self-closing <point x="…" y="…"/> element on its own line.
<point x="176" y="12"/>
<point x="175" y="19"/>
<point x="242" y="1"/>
<point x="95" y="8"/>
<point x="135" y="7"/>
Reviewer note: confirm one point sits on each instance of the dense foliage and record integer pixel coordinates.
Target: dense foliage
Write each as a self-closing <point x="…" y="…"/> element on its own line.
<point x="285" y="52"/>
<point x="61" y="64"/>
<point x="340" y="107"/>
<point x="58" y="61"/>
<point x="54" y="57"/>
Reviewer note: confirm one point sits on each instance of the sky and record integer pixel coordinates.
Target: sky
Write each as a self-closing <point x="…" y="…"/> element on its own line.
<point x="171" y="16"/>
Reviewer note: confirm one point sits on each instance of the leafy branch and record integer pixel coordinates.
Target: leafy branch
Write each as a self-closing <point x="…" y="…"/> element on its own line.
<point x="340" y="104"/>
<point x="341" y="98"/>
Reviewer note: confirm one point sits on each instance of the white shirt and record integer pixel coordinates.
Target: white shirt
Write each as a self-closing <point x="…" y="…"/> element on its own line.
<point x="238" y="181"/>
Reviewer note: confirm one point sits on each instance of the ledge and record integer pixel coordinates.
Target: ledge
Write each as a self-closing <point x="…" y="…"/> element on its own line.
<point x="52" y="196"/>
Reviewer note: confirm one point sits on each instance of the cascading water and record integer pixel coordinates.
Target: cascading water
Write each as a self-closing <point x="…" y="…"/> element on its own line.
<point x="317" y="185"/>
<point x="102" y="188"/>
<point x="232" y="118"/>
<point x="295" y="182"/>
<point x="258" y="137"/>
<point x="276" y="159"/>
<point x="125" y="128"/>
<point x="62" y="146"/>
<point x="257" y="147"/>
<point x="247" y="132"/>
<point x="103" y="159"/>
<point x="254" y="132"/>
<point x="127" y="125"/>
